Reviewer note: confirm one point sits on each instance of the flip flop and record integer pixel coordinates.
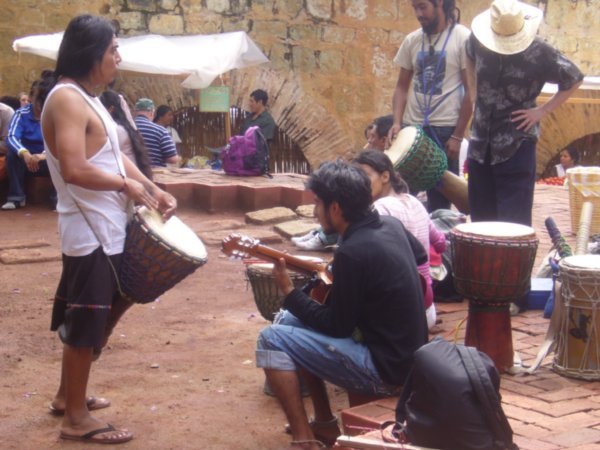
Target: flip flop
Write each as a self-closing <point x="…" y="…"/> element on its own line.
<point x="93" y="403"/>
<point x="118" y="436"/>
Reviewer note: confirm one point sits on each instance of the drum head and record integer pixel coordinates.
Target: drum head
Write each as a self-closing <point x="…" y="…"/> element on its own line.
<point x="496" y="229"/>
<point x="402" y="144"/>
<point x="174" y="233"/>
<point x="590" y="262"/>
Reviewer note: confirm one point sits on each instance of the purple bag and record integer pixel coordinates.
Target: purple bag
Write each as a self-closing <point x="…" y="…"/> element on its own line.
<point x="246" y="155"/>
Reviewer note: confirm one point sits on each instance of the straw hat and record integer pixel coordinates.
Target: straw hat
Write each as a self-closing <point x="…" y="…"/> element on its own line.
<point x="508" y="27"/>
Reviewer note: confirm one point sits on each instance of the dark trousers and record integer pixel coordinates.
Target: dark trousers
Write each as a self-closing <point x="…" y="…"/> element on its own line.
<point x="17" y="170"/>
<point x="503" y="192"/>
<point x="440" y="135"/>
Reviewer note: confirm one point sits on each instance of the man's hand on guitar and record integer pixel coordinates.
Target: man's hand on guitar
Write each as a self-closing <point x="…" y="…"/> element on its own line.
<point x="282" y="278"/>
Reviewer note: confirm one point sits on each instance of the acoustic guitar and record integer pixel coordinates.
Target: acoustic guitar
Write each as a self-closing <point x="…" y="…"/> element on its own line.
<point x="242" y="247"/>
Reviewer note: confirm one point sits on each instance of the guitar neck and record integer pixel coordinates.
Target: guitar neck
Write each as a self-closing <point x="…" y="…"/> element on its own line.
<point x="292" y="262"/>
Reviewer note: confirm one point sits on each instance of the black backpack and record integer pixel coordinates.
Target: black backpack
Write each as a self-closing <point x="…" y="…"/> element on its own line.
<point x="451" y="400"/>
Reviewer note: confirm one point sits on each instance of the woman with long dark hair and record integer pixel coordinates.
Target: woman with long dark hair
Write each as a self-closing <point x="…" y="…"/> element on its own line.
<point x="130" y="141"/>
<point x="391" y="198"/>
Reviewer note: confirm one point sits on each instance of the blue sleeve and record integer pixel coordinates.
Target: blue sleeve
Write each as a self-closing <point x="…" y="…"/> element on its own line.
<point x="15" y="132"/>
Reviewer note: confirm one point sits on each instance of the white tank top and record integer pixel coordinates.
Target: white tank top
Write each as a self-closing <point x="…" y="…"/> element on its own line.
<point x="105" y="211"/>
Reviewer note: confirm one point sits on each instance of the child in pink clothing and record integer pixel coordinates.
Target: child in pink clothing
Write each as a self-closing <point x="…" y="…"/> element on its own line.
<point x="391" y="198"/>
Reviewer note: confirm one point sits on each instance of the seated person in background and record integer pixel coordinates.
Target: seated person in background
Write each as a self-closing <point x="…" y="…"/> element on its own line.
<point x="24" y="99"/>
<point x="164" y="116"/>
<point x="363" y="337"/>
<point x="6" y="113"/>
<point x="26" y="154"/>
<point x="378" y="136"/>
<point x="259" y="116"/>
<point x="160" y="145"/>
<point x="569" y="158"/>
<point x="391" y="198"/>
<point x="130" y="140"/>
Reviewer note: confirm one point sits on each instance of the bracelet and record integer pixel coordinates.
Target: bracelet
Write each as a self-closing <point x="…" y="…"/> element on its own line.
<point x="124" y="184"/>
<point x="456" y="138"/>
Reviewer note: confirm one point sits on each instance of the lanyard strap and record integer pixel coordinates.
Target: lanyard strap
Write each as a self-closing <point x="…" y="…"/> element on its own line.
<point x="428" y="91"/>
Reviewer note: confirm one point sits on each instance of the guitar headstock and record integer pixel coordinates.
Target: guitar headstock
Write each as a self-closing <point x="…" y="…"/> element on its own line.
<point x="237" y="246"/>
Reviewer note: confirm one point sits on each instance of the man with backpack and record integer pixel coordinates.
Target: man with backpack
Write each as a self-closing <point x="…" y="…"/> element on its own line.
<point x="259" y="116"/>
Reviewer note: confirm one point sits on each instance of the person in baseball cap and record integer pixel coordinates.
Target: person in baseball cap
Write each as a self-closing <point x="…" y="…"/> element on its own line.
<point x="144" y="104"/>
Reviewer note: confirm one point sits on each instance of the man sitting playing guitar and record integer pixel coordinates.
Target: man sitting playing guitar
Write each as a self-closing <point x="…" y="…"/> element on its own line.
<point x="364" y="336"/>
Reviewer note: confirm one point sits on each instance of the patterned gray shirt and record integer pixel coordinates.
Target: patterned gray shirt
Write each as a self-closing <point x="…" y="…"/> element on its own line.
<point x="506" y="83"/>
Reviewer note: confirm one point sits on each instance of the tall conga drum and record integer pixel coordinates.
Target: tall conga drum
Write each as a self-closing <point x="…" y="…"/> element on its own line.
<point x="578" y="337"/>
<point x="491" y="264"/>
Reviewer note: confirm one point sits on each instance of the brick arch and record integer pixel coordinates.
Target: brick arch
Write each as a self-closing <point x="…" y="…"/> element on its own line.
<point x="571" y="121"/>
<point x="307" y="123"/>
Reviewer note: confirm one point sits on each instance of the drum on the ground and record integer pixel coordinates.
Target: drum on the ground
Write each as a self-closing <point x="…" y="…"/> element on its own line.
<point x="157" y="255"/>
<point x="578" y="338"/>
<point x="491" y="265"/>
<point x="267" y="295"/>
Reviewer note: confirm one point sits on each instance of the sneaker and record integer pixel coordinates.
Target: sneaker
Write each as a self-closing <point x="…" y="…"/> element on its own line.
<point x="10" y="205"/>
<point x="306" y="237"/>
<point x="314" y="243"/>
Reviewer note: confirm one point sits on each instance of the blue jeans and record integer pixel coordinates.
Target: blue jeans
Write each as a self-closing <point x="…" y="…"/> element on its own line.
<point x="17" y="170"/>
<point x="288" y="343"/>
<point x="440" y="135"/>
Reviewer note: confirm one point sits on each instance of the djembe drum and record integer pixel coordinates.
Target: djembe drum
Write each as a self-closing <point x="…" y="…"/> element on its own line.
<point x="578" y="337"/>
<point x="267" y="295"/>
<point x="491" y="263"/>
<point x="423" y="165"/>
<point x="157" y="255"/>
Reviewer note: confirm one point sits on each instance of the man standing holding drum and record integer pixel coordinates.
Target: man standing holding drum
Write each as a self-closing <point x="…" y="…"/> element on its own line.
<point x="432" y="87"/>
<point x="511" y="67"/>
<point x="94" y="185"/>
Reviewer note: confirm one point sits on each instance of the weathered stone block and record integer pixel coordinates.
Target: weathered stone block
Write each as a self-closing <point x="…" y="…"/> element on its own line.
<point x="306" y="211"/>
<point x="357" y="9"/>
<point x="355" y="63"/>
<point x="141" y="5"/>
<point x="168" y="5"/>
<point x="290" y="8"/>
<point x="303" y="33"/>
<point x="132" y="20"/>
<point x="215" y="238"/>
<point x="295" y="228"/>
<point x="280" y="56"/>
<point x="320" y="9"/>
<point x="271" y="28"/>
<point x="271" y="215"/>
<point x="235" y="25"/>
<point x="219" y="6"/>
<point x="30" y="255"/>
<point x="166" y="24"/>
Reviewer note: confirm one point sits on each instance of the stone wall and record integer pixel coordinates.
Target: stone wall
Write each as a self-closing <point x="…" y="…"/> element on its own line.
<point x="337" y="52"/>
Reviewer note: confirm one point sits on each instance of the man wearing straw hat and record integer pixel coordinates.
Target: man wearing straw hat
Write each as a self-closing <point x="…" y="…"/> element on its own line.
<point x="511" y="66"/>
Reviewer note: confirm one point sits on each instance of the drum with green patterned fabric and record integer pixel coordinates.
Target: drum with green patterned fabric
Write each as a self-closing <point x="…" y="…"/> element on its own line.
<point x="417" y="158"/>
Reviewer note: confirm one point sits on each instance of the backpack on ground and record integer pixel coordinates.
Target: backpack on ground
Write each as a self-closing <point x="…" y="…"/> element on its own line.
<point x="451" y="400"/>
<point x="247" y="155"/>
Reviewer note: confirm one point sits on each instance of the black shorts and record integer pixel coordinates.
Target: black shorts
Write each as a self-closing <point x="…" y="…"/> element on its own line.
<point x="85" y="295"/>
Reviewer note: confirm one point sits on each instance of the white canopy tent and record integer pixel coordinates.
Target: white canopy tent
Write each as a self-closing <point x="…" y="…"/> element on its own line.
<point x="201" y="57"/>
